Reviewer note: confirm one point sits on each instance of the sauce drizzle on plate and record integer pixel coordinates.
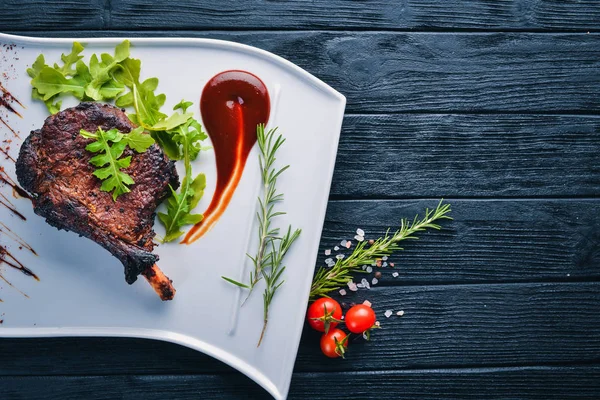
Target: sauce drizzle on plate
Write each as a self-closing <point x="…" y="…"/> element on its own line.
<point x="232" y="104"/>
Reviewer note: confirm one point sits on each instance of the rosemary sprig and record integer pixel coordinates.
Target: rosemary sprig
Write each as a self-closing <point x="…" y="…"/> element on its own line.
<point x="271" y="248"/>
<point x="327" y="280"/>
<point x="268" y="146"/>
<point x="272" y="275"/>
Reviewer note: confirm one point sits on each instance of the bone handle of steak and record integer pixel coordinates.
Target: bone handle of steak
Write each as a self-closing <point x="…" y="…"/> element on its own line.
<point x="162" y="285"/>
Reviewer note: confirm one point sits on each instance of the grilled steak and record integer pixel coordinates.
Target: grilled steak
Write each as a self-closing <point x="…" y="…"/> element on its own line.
<point x="54" y="167"/>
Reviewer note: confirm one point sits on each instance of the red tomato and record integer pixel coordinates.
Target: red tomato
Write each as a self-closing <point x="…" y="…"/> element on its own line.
<point x="323" y="312"/>
<point x="360" y="318"/>
<point x="334" y="343"/>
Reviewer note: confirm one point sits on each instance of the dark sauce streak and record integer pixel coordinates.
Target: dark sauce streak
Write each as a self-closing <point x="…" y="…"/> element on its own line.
<point x="7" y="258"/>
<point x="233" y="103"/>
<point x="6" y="203"/>
<point x="8" y="106"/>
<point x="8" y="156"/>
<point x="8" y="126"/>
<point x="8" y="232"/>
<point x="17" y="191"/>
<point x="6" y="100"/>
<point x="7" y="95"/>
<point x="4" y="178"/>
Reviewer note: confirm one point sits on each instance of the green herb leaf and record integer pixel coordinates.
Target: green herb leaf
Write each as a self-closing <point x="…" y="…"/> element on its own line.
<point x="69" y="60"/>
<point x="100" y="70"/>
<point x="49" y="82"/>
<point x="37" y="66"/>
<point x="111" y="89"/>
<point x="179" y="206"/>
<point x="172" y="122"/>
<point x="110" y="146"/>
<point x="138" y="140"/>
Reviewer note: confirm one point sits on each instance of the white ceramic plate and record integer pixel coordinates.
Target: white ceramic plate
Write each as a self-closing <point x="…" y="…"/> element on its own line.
<point x="82" y="291"/>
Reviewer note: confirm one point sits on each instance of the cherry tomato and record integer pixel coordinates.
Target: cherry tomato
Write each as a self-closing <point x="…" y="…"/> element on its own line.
<point x="360" y="318"/>
<point x="324" y="313"/>
<point x="334" y="343"/>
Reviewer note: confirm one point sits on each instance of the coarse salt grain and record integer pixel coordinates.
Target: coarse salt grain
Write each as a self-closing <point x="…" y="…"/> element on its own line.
<point x="353" y="287"/>
<point x="369" y="269"/>
<point x="328" y="252"/>
<point x="343" y="292"/>
<point x="388" y="313"/>
<point x="359" y="238"/>
<point x="395" y="274"/>
<point x="365" y="283"/>
<point x="375" y="281"/>
<point x="364" y="267"/>
<point x="348" y="244"/>
<point x="373" y="264"/>
<point x="367" y="303"/>
<point x="340" y="256"/>
<point x="384" y="258"/>
<point x="328" y="260"/>
<point x="343" y="243"/>
<point x="400" y="313"/>
<point x="360" y="232"/>
<point x="392" y="265"/>
<point x="364" y="334"/>
<point x="336" y="248"/>
<point x="384" y="264"/>
<point x="360" y="285"/>
<point x="377" y="323"/>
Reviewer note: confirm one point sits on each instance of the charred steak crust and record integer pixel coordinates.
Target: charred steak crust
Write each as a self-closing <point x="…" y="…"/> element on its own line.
<point x="53" y="166"/>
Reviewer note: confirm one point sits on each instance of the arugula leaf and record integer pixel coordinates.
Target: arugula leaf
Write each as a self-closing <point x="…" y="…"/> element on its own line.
<point x="56" y="82"/>
<point x="37" y="66"/>
<point x="50" y="82"/>
<point x="172" y="122"/>
<point x="109" y="161"/>
<point x="139" y="141"/>
<point x="179" y="206"/>
<point x="33" y="72"/>
<point x="69" y="60"/>
<point x="101" y="72"/>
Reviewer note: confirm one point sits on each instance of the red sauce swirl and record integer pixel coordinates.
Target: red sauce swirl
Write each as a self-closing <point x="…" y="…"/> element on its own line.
<point x="232" y="104"/>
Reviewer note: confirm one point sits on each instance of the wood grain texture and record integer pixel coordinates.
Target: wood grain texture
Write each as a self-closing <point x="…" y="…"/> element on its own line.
<point x="298" y="14"/>
<point x="408" y="155"/>
<point x="522" y="383"/>
<point x="443" y="326"/>
<point x="389" y="72"/>
<point x="41" y="14"/>
<point x="371" y="14"/>
<point x="488" y="241"/>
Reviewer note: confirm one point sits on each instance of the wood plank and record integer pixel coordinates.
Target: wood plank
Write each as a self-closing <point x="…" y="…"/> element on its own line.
<point x="372" y="14"/>
<point x="523" y="383"/>
<point x="488" y="241"/>
<point x="443" y="326"/>
<point x="389" y="72"/>
<point x="408" y="155"/>
<point x="41" y="14"/>
<point x="298" y="14"/>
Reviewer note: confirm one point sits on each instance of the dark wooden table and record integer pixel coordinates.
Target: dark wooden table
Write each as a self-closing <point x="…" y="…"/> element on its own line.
<point x="493" y="105"/>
